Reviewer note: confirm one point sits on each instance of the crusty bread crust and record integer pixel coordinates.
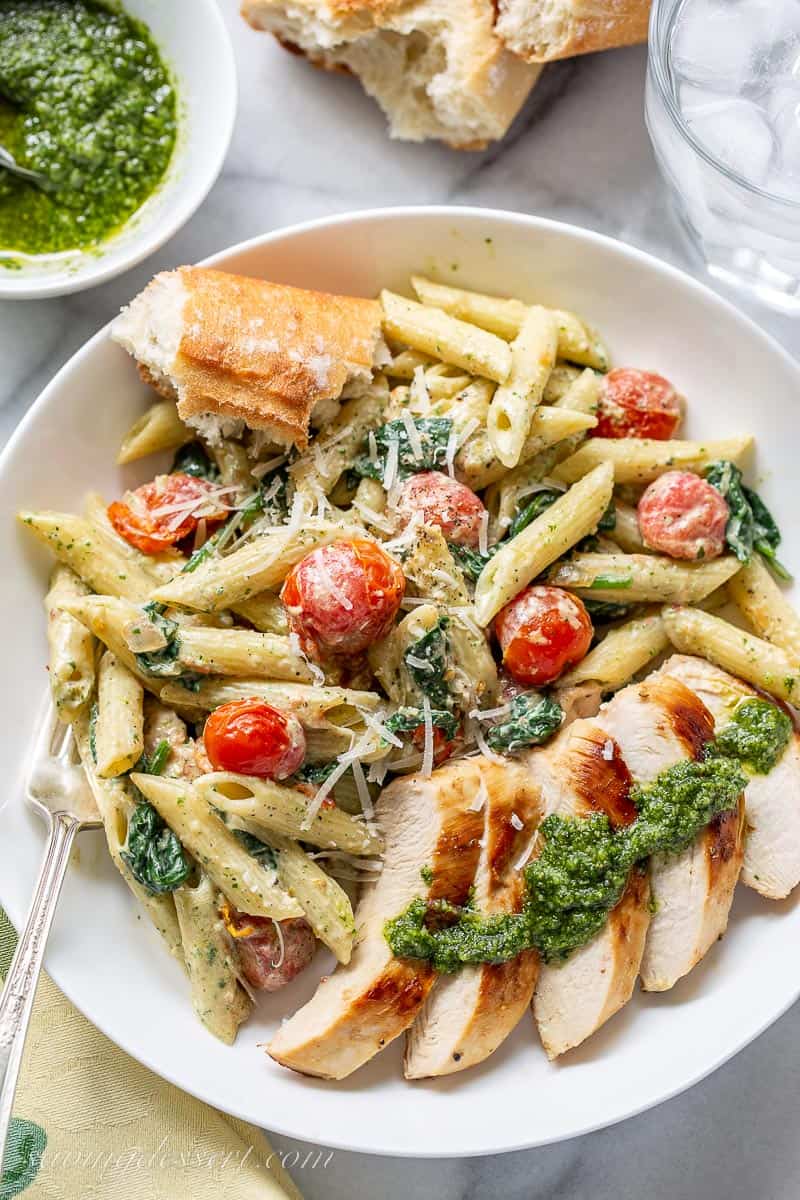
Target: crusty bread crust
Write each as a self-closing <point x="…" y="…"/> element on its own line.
<point x="577" y="26"/>
<point x="265" y="353"/>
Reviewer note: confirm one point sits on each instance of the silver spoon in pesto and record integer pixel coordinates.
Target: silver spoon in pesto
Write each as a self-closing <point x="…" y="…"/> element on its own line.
<point x="10" y="164"/>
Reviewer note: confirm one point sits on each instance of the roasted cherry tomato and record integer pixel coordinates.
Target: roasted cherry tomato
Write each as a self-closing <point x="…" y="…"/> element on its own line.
<point x="542" y="631"/>
<point x="443" y="747"/>
<point x="342" y="597"/>
<point x="160" y="513"/>
<point x="253" y="738"/>
<point x="270" y="959"/>
<point x="638" y="404"/>
<point x="682" y="515"/>
<point x="444" y="502"/>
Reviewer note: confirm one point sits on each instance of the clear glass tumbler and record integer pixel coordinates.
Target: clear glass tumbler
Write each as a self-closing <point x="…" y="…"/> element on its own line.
<point x="747" y="236"/>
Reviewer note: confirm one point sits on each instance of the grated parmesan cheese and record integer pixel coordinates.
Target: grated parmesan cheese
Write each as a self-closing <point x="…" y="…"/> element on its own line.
<point x="483" y="533"/>
<point x="427" y="753"/>
<point x="608" y="750"/>
<point x="481" y="796"/>
<point x="414" y="439"/>
<point x="392" y="464"/>
<point x="516" y="822"/>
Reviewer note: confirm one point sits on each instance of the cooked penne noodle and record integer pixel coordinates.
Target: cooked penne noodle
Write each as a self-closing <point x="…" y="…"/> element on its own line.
<point x="562" y="376"/>
<point x="621" y="654"/>
<point x="160" y="567"/>
<point x="478" y="466"/>
<point x="71" y="661"/>
<point x="641" y="460"/>
<point x="570" y="518"/>
<point x="533" y="356"/>
<point x="756" y="594"/>
<point x="219" y="1000"/>
<point x="576" y="341"/>
<point x="234" y="463"/>
<point x="284" y="810"/>
<point x="119" y="728"/>
<point x="116" y="800"/>
<point x="638" y="578"/>
<point x="444" y="381"/>
<point x="266" y="612"/>
<point x="403" y="364"/>
<point x="222" y="582"/>
<point x="626" y="532"/>
<point x="434" y="332"/>
<point x="315" y="707"/>
<point x="158" y="429"/>
<point x="246" y="883"/>
<point x="241" y="652"/>
<point x="751" y="658"/>
<point x="76" y="544"/>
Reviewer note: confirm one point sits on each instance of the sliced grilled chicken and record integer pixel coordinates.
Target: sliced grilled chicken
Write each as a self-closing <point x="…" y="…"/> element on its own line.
<point x="581" y="772"/>
<point x="692" y="890"/>
<point x="467" y="1015"/>
<point x="430" y="828"/>
<point x="772" y="802"/>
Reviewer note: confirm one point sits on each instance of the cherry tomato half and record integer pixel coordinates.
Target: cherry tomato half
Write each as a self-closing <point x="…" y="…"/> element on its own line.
<point x="682" y="515"/>
<point x="637" y="404"/>
<point x="161" y="513"/>
<point x="443" y="747"/>
<point x="344" y="596"/>
<point x="542" y="631"/>
<point x="253" y="738"/>
<point x="443" y="502"/>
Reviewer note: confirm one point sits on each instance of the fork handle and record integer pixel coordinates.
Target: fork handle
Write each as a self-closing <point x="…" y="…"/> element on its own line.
<point x="17" y="997"/>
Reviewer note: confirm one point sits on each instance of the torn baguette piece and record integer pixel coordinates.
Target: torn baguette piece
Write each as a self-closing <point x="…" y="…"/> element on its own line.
<point x="542" y="30"/>
<point x="235" y="351"/>
<point x="436" y="67"/>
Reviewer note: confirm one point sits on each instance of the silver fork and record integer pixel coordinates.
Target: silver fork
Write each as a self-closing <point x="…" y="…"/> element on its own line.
<point x="10" y="164"/>
<point x="57" y="789"/>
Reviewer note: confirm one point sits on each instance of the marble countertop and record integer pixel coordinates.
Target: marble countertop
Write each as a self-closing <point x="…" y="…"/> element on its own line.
<point x="307" y="145"/>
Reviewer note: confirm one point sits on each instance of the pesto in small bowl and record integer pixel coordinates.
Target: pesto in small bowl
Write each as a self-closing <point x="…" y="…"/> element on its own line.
<point x="85" y="99"/>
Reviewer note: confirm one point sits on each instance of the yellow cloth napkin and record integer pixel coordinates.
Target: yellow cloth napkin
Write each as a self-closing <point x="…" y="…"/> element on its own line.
<point x="93" y="1124"/>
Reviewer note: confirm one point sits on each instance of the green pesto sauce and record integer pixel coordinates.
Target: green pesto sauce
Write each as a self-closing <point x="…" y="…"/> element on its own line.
<point x="86" y="99"/>
<point x="584" y="865"/>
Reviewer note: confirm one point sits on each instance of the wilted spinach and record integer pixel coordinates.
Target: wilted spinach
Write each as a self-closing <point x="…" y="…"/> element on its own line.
<point x="751" y="526"/>
<point x="603" y="610"/>
<point x="193" y="460"/>
<point x="153" y="764"/>
<point x="163" y="661"/>
<point x="471" y="561"/>
<point x="431" y="651"/>
<point x="253" y="845"/>
<point x="434" y="434"/>
<point x="532" y="720"/>
<point x="533" y="509"/>
<point x="409" y="718"/>
<point x="153" y="853"/>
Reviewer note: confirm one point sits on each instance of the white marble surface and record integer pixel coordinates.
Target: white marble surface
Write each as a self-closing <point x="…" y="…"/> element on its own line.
<point x="308" y="145"/>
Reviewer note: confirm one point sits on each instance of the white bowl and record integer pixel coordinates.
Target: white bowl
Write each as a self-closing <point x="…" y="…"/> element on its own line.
<point x="195" y="45"/>
<point x="110" y="963"/>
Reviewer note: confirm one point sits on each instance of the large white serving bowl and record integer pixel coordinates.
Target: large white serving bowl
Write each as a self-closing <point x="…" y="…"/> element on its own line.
<point x="196" y="47"/>
<point x="107" y="959"/>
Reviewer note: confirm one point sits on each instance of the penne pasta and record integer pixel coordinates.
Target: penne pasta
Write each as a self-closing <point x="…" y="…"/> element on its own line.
<point x="119" y="728"/>
<point x="478" y="466"/>
<point x="434" y="332"/>
<point x="241" y="652"/>
<point x="157" y="430"/>
<point x="160" y="567"/>
<point x="219" y="1000"/>
<point x="246" y="883"/>
<point x="639" y="578"/>
<point x="222" y="582"/>
<point x="621" y="654"/>
<point x="71" y="661"/>
<point x="751" y="658"/>
<point x="570" y="518"/>
<point x="641" y="460"/>
<point x="265" y="612"/>
<point x="576" y="341"/>
<point x="758" y="597"/>
<point x="626" y="532"/>
<point x="285" y="810"/>
<point x="76" y="544"/>
<point x="533" y="356"/>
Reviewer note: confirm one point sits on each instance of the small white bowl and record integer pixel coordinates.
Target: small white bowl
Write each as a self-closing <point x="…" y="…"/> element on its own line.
<point x="195" y="45"/>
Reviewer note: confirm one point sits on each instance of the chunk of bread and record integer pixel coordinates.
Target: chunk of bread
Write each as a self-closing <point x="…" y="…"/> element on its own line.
<point x="436" y="67"/>
<point x="541" y="30"/>
<point x="235" y="351"/>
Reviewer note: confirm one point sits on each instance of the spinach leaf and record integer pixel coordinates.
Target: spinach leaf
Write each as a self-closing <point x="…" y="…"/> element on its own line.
<point x="409" y="718"/>
<point x="426" y="661"/>
<point x="471" y="561"/>
<point x="163" y="661"/>
<point x="604" y="610"/>
<point x="193" y="460"/>
<point x="153" y="853"/>
<point x="751" y="526"/>
<point x="153" y="764"/>
<point x="534" y="508"/>
<point x="314" y="772"/>
<point x="608" y="520"/>
<point x="612" y="582"/>
<point x="532" y="720"/>
<point x="260" y="850"/>
<point x="434" y="433"/>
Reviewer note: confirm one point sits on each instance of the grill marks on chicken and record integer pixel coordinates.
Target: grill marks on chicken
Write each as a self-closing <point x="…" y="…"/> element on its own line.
<point x="428" y="826"/>
<point x="467" y="1015"/>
